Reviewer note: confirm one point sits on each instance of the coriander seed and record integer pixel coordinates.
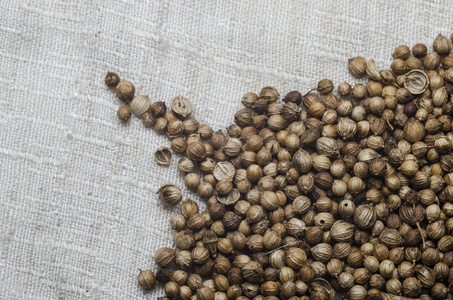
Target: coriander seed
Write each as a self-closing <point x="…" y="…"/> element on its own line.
<point x="357" y="66"/>
<point x="442" y="45"/>
<point x="148" y="119"/>
<point x="164" y="256"/>
<point x="269" y="93"/>
<point x="140" y="104"/>
<point x="170" y="194"/>
<point x="419" y="50"/>
<point x="124" y="113"/>
<point x="112" y="79"/>
<point x="196" y="151"/>
<point x="146" y="279"/>
<point x="325" y="86"/>
<point x="125" y="90"/>
<point x="401" y="52"/>
<point x="163" y="156"/>
<point x="185" y="165"/>
<point x="192" y="181"/>
<point x="181" y="106"/>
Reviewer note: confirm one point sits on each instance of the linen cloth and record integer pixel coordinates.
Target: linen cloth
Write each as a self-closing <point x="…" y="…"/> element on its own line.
<point x="78" y="199"/>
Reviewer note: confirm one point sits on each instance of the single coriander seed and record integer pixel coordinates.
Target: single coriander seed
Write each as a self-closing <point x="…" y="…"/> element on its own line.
<point x="170" y="194"/>
<point x="146" y="279"/>
<point x="125" y="90"/>
<point x="163" y="156"/>
<point x="181" y="106"/>
<point x="357" y="66"/>
<point x="419" y="50"/>
<point x="112" y="79"/>
<point x="325" y="86"/>
<point x="124" y="113"/>
<point x="140" y="104"/>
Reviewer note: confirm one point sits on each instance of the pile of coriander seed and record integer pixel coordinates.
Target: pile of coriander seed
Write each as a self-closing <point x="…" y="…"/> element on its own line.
<point x="317" y="196"/>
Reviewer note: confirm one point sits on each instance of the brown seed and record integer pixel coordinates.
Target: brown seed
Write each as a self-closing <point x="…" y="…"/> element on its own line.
<point x="148" y="120"/>
<point x="170" y="194"/>
<point x="205" y="293"/>
<point x="112" y="79"/>
<point x="431" y="61"/>
<point x="391" y="238"/>
<point x="344" y="89"/>
<point x="325" y="86"/>
<point x="124" y="113"/>
<point x="163" y="156"/>
<point x="252" y="272"/>
<point x="158" y="109"/>
<point x="342" y="231"/>
<point x="125" y="90"/>
<point x="172" y="289"/>
<point x="322" y="252"/>
<point x="178" y="145"/>
<point x="364" y="216"/>
<point x="295" y="257"/>
<point x="196" y="151"/>
<point x="401" y="52"/>
<point x="146" y="278"/>
<point x="442" y="45"/>
<point x="269" y="93"/>
<point x="357" y="66"/>
<point x="294" y="97"/>
<point x="181" y="106"/>
<point x="164" y="256"/>
<point x="249" y="99"/>
<point x="140" y="104"/>
<point x="419" y="50"/>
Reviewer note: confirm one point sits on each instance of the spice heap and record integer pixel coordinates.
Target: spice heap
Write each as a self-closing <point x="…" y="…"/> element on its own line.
<point x="318" y="195"/>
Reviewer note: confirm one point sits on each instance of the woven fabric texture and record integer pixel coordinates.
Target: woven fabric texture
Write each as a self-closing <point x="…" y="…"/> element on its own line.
<point x="78" y="206"/>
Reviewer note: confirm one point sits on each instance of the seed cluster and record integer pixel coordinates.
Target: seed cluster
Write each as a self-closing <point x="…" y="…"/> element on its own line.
<point x="319" y="195"/>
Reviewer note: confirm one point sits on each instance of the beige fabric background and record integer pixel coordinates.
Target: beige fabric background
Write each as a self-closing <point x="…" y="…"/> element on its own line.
<point x="79" y="212"/>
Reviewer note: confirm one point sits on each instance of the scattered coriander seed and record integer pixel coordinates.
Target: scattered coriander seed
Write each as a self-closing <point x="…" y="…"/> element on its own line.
<point x="163" y="156"/>
<point x="148" y="119"/>
<point x="124" y="113"/>
<point x="181" y="106"/>
<point x="125" y="90"/>
<point x="205" y="131"/>
<point x="178" y="222"/>
<point x="401" y="52"/>
<point x="431" y="61"/>
<point x="196" y="151"/>
<point x="416" y="82"/>
<point x="170" y="194"/>
<point x="347" y="182"/>
<point x="178" y="145"/>
<point x="419" y="50"/>
<point x="190" y="125"/>
<point x="344" y="89"/>
<point x="146" y="279"/>
<point x="158" y="109"/>
<point x="160" y="125"/>
<point x="172" y="289"/>
<point x="442" y="45"/>
<point x="164" y="256"/>
<point x="186" y="165"/>
<point x="112" y="79"/>
<point x="325" y="86"/>
<point x="192" y="181"/>
<point x="140" y="104"/>
<point x="205" y="293"/>
<point x="357" y="66"/>
<point x="269" y="93"/>
<point x="249" y="99"/>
